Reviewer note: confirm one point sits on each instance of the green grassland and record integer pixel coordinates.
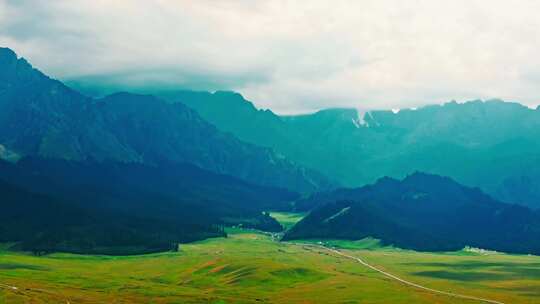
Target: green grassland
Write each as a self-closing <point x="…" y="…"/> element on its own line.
<point x="250" y="267"/>
<point x="364" y="244"/>
<point x="287" y="219"/>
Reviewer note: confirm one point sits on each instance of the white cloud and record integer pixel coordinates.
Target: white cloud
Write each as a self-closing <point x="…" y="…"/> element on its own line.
<point x="291" y="56"/>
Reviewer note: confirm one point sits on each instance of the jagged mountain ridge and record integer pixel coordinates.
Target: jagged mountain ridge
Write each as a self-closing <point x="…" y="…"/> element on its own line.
<point x="494" y="145"/>
<point x="42" y="117"/>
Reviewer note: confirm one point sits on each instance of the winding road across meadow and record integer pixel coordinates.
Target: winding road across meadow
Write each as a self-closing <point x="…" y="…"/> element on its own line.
<point x="409" y="283"/>
<point x="359" y="260"/>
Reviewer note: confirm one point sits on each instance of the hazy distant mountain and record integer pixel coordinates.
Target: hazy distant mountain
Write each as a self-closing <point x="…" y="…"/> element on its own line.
<point x="112" y="207"/>
<point x="494" y="145"/>
<point x="42" y="117"/>
<point x="421" y="212"/>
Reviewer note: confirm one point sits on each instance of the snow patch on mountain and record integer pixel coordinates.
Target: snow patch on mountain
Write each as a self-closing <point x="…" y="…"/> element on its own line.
<point x="8" y="155"/>
<point x="360" y="121"/>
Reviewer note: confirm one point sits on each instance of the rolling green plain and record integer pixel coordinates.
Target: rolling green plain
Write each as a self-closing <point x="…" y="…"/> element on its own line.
<point x="251" y="267"/>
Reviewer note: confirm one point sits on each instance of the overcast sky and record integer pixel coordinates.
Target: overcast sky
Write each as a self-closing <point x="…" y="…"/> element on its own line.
<point x="290" y="56"/>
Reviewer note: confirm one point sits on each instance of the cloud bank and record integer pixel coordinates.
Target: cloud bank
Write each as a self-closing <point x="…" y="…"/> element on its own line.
<point x="290" y="56"/>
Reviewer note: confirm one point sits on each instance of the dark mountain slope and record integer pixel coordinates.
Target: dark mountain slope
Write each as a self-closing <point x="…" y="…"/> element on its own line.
<point x="144" y="207"/>
<point x="44" y="224"/>
<point x="42" y="117"/>
<point x="422" y="212"/>
<point x="130" y="182"/>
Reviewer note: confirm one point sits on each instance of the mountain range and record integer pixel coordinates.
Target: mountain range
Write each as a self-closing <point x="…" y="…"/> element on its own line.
<point x="133" y="173"/>
<point x="42" y="117"/>
<point x="126" y="173"/>
<point x="491" y="144"/>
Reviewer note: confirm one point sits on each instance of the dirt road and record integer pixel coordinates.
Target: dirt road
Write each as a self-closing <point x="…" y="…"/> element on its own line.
<point x="409" y="283"/>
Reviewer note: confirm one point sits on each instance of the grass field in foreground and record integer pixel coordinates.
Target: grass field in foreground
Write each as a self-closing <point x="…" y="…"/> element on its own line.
<point x="249" y="267"/>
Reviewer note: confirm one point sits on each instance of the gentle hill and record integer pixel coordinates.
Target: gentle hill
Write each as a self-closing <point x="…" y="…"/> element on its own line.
<point x="421" y="212"/>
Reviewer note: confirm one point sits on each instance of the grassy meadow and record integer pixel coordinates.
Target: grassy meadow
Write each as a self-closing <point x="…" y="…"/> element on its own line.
<point x="287" y="219"/>
<point x="250" y="267"/>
